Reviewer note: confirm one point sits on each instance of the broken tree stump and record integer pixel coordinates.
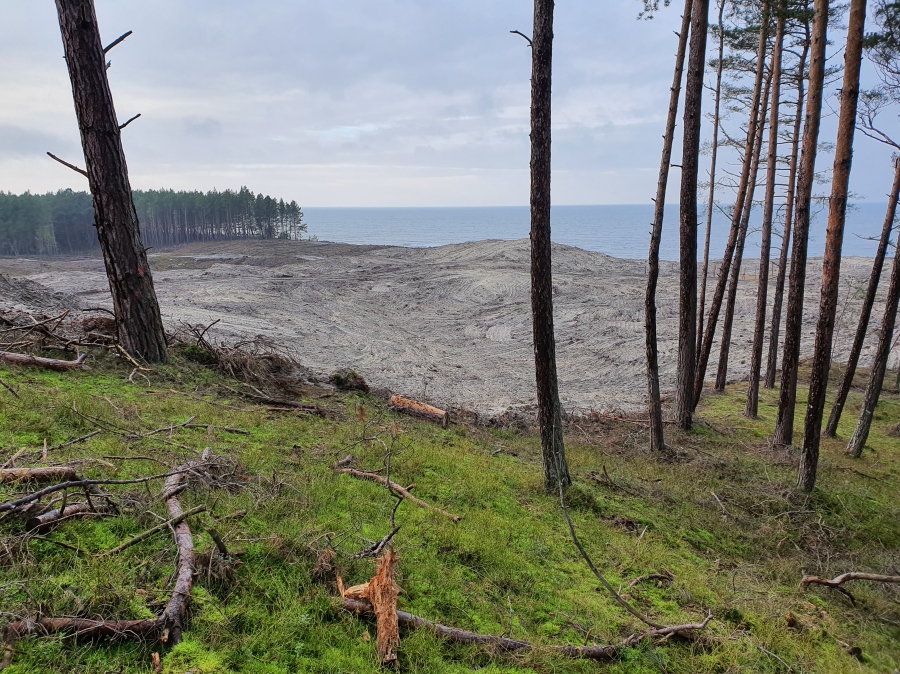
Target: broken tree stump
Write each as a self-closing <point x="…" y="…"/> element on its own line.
<point x="420" y="410"/>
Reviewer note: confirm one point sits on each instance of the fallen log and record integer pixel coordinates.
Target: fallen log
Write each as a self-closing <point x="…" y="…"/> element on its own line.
<point x="47" y="363"/>
<point x="37" y="474"/>
<point x="49" y="519"/>
<point x="403" y="491"/>
<point x="597" y="652"/>
<point x="421" y="410"/>
<point x="837" y="581"/>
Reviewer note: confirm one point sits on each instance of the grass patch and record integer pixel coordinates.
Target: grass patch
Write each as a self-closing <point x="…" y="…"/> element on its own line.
<point x="724" y="521"/>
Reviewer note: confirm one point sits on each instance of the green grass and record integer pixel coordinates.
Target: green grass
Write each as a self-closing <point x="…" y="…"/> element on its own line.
<point x="508" y="567"/>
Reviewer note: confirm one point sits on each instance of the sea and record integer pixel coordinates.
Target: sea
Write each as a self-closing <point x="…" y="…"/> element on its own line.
<point x="617" y="230"/>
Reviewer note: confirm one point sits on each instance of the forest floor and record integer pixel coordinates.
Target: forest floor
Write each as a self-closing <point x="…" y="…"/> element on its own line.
<point x="451" y="324"/>
<point x="722" y="526"/>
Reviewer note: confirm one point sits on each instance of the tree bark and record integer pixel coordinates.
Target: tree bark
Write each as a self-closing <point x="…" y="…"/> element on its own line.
<point x="657" y="440"/>
<point x="556" y="470"/>
<point x="138" y="318"/>
<point x="759" y="331"/>
<point x="784" y="427"/>
<point x="777" y="300"/>
<point x="721" y="283"/>
<point x="701" y="307"/>
<point x="735" y="274"/>
<point x="876" y="380"/>
<point x="834" y="239"/>
<point x="687" y="320"/>
<point x="866" y="312"/>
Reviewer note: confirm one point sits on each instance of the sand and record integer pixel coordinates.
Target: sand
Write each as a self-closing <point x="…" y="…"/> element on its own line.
<point x="450" y="325"/>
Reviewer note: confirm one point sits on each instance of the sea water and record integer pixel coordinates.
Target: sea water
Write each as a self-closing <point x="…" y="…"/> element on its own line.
<point x="620" y="230"/>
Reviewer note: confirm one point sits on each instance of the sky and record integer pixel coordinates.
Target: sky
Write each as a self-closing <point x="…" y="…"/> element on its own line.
<point x="359" y="103"/>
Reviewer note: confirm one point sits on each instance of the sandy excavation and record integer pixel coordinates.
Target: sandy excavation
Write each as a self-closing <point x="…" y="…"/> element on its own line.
<point x="450" y="325"/>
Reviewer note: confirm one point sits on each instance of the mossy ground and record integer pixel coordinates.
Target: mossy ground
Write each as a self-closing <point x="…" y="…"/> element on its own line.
<point x="724" y="520"/>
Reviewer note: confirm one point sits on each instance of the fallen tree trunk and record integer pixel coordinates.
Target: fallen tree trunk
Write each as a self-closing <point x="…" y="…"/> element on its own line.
<point x="37" y="474"/>
<point x="416" y="409"/>
<point x="48" y="363"/>
<point x="601" y="652"/>
<point x="847" y="577"/>
<point x="375" y="477"/>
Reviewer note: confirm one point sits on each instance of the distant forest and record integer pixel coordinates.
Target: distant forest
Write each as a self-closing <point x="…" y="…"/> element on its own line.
<point x="63" y="223"/>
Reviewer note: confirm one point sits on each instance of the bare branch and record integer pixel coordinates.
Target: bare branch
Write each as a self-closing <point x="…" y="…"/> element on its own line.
<point x="119" y="39"/>
<point x="527" y="39"/>
<point x="65" y="163"/>
<point x="122" y="126"/>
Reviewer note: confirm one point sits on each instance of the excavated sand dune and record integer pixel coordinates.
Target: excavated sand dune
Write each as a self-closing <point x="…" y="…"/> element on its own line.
<point x="451" y="325"/>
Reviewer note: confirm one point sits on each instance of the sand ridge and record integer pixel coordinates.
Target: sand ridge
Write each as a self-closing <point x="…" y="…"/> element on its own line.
<point x="450" y="325"/>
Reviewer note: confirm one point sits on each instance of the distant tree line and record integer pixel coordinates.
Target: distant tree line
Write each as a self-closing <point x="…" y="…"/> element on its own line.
<point x="63" y="222"/>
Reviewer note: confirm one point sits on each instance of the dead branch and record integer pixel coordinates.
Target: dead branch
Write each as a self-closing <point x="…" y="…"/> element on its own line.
<point x="527" y="39"/>
<point x="80" y="484"/>
<point x="227" y="429"/>
<point x="374" y="477"/>
<point x="149" y="532"/>
<point x="37" y="474"/>
<point x="169" y="625"/>
<point x="48" y="363"/>
<point x="837" y="581"/>
<point x="8" y="388"/>
<point x="598" y="652"/>
<point x="68" y="165"/>
<point x="119" y="39"/>
<point x="276" y="403"/>
<point x="122" y="126"/>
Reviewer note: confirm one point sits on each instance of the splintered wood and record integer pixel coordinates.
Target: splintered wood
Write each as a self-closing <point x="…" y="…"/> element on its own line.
<point x="381" y="592"/>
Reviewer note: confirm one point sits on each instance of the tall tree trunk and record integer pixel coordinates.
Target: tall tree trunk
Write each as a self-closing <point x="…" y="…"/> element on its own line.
<point x="834" y="240"/>
<point x="866" y="312"/>
<point x="735" y="274"/>
<point x="701" y="307"/>
<point x="777" y="300"/>
<point x="784" y="427"/>
<point x="687" y="318"/>
<point x="657" y="441"/>
<point x="873" y="390"/>
<point x="556" y="471"/>
<point x="719" y="295"/>
<point x="138" y="318"/>
<point x="759" y="331"/>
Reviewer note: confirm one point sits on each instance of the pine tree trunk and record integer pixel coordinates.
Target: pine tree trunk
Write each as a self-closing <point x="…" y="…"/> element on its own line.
<point x="719" y="295"/>
<point x="657" y="441"/>
<point x="735" y="275"/>
<point x="784" y="427"/>
<point x="704" y="275"/>
<point x="556" y="471"/>
<point x="139" y="322"/>
<point x="834" y="240"/>
<point x="879" y="367"/>
<point x="762" y="289"/>
<point x="866" y="312"/>
<point x="777" y="299"/>
<point x="687" y="318"/>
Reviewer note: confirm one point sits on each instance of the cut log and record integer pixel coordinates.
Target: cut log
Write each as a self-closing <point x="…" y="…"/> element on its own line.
<point x="403" y="491"/>
<point x="598" y="652"/>
<point x="420" y="410"/>
<point x="53" y="474"/>
<point x="47" y="363"/>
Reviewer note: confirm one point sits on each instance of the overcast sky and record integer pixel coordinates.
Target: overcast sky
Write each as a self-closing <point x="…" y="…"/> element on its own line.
<point x="357" y="103"/>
